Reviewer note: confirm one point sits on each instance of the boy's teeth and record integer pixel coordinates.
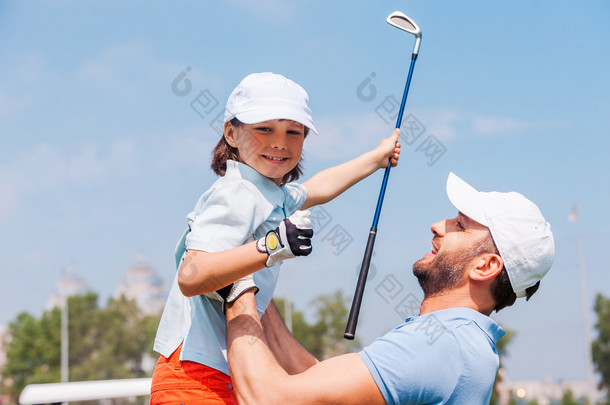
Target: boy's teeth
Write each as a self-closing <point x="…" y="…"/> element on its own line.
<point x="274" y="158"/>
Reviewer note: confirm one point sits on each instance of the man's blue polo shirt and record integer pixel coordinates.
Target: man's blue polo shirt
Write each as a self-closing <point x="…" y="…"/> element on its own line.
<point x="442" y="357"/>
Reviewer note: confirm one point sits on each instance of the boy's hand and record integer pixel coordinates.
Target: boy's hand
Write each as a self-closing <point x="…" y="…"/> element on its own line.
<point x="233" y="291"/>
<point x="389" y="150"/>
<point x="290" y="239"/>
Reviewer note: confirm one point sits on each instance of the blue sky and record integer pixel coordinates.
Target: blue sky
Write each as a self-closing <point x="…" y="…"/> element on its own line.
<point x="102" y="160"/>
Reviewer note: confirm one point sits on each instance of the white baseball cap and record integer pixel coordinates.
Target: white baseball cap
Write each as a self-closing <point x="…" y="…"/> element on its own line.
<point x="267" y="96"/>
<point x="520" y="232"/>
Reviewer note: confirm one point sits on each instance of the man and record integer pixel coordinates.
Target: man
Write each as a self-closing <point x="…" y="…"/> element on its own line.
<point x="496" y="249"/>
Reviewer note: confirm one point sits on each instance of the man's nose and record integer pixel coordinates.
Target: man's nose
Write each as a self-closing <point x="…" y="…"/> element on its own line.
<point x="438" y="228"/>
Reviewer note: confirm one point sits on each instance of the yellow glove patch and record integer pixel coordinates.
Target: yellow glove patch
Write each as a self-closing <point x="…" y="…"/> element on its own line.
<point x="272" y="241"/>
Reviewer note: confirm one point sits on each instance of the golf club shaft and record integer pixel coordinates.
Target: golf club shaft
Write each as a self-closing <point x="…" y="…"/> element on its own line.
<point x="352" y="320"/>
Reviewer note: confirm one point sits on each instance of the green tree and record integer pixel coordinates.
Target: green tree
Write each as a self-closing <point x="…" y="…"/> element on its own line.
<point x="105" y="343"/>
<point x="601" y="346"/>
<point x="512" y="398"/>
<point x="568" y="398"/>
<point x="323" y="338"/>
<point x="331" y="315"/>
<point x="502" y="348"/>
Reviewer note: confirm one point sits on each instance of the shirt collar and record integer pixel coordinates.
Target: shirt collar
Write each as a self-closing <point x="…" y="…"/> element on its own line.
<point x="485" y="323"/>
<point x="272" y="192"/>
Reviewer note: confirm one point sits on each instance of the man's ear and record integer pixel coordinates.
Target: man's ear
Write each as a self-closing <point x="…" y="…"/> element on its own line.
<point x="486" y="266"/>
<point x="229" y="134"/>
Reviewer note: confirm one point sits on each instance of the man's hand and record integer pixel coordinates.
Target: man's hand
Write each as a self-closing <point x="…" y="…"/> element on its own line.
<point x="290" y="239"/>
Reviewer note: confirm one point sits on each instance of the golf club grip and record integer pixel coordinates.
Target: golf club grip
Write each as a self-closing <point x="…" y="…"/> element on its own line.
<point x="352" y="320"/>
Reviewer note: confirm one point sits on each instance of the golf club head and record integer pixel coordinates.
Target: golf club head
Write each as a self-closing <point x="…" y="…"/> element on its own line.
<point x="403" y="22"/>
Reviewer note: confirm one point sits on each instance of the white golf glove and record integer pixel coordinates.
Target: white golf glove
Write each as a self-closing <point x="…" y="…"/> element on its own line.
<point x="290" y="239"/>
<point x="230" y="293"/>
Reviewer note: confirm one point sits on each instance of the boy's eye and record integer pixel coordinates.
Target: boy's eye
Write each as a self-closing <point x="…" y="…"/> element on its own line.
<point x="263" y="129"/>
<point x="295" y="132"/>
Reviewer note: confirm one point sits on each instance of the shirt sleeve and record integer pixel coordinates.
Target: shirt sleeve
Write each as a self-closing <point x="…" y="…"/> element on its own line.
<point x="408" y="369"/>
<point x="227" y="218"/>
<point x="295" y="196"/>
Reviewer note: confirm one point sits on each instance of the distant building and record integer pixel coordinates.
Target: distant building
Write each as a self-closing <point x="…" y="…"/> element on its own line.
<point x="69" y="285"/>
<point x="142" y="283"/>
<point x="548" y="391"/>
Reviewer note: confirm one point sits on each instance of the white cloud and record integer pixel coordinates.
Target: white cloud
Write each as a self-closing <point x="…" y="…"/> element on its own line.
<point x="443" y="123"/>
<point x="11" y="106"/>
<point x="31" y="68"/>
<point x="497" y="125"/>
<point x="47" y="167"/>
<point x="346" y="136"/>
<point x="279" y="11"/>
<point x="109" y="67"/>
<point x="131" y="64"/>
<point x="50" y="168"/>
<point x="449" y="123"/>
<point x="8" y="198"/>
<point x="188" y="147"/>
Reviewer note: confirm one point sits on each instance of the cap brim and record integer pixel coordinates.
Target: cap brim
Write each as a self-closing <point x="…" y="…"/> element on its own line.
<point x="253" y="117"/>
<point x="466" y="199"/>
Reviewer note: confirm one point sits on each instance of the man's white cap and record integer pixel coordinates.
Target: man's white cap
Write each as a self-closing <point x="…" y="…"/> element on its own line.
<point x="520" y="232"/>
<point x="268" y="96"/>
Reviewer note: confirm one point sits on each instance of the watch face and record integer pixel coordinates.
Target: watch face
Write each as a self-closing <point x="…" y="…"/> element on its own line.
<point x="271" y="241"/>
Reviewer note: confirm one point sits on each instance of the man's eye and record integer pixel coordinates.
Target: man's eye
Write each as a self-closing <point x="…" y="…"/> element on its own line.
<point x="459" y="225"/>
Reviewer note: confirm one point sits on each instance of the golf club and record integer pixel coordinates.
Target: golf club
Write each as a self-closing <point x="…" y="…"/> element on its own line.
<point x="400" y="21"/>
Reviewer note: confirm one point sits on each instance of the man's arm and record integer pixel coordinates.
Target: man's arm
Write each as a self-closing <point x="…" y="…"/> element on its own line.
<point x="259" y="379"/>
<point x="289" y="353"/>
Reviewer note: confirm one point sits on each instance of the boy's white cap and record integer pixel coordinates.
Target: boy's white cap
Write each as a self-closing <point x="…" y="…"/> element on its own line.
<point x="519" y="230"/>
<point x="267" y="96"/>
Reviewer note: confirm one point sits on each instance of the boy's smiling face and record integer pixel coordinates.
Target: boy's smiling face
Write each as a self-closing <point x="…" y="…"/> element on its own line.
<point x="272" y="148"/>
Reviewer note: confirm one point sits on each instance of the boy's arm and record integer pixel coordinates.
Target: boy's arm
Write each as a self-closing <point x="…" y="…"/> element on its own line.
<point x="329" y="183"/>
<point x="259" y="379"/>
<point x="289" y="353"/>
<point x="203" y="272"/>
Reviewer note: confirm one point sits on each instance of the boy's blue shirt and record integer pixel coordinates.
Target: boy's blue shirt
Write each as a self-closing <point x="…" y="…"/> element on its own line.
<point x="239" y="206"/>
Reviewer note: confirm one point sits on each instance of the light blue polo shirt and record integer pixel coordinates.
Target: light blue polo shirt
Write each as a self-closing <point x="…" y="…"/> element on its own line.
<point x="442" y="357"/>
<point x="240" y="205"/>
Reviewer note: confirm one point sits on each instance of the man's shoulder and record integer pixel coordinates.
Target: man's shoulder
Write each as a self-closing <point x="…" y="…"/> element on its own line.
<point x="466" y="319"/>
<point x="440" y="332"/>
<point x="405" y="361"/>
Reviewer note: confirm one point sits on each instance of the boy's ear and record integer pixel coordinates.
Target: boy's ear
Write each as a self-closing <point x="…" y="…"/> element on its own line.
<point x="229" y="134"/>
<point x="486" y="266"/>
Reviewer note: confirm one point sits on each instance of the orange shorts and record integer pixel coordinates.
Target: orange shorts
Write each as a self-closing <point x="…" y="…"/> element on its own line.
<point x="186" y="382"/>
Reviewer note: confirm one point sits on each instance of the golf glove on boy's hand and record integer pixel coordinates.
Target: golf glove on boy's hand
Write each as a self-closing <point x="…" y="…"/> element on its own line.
<point x="290" y="239"/>
<point x="233" y="291"/>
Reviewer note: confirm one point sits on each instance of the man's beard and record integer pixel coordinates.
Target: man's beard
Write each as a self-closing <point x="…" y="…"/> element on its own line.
<point x="443" y="273"/>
